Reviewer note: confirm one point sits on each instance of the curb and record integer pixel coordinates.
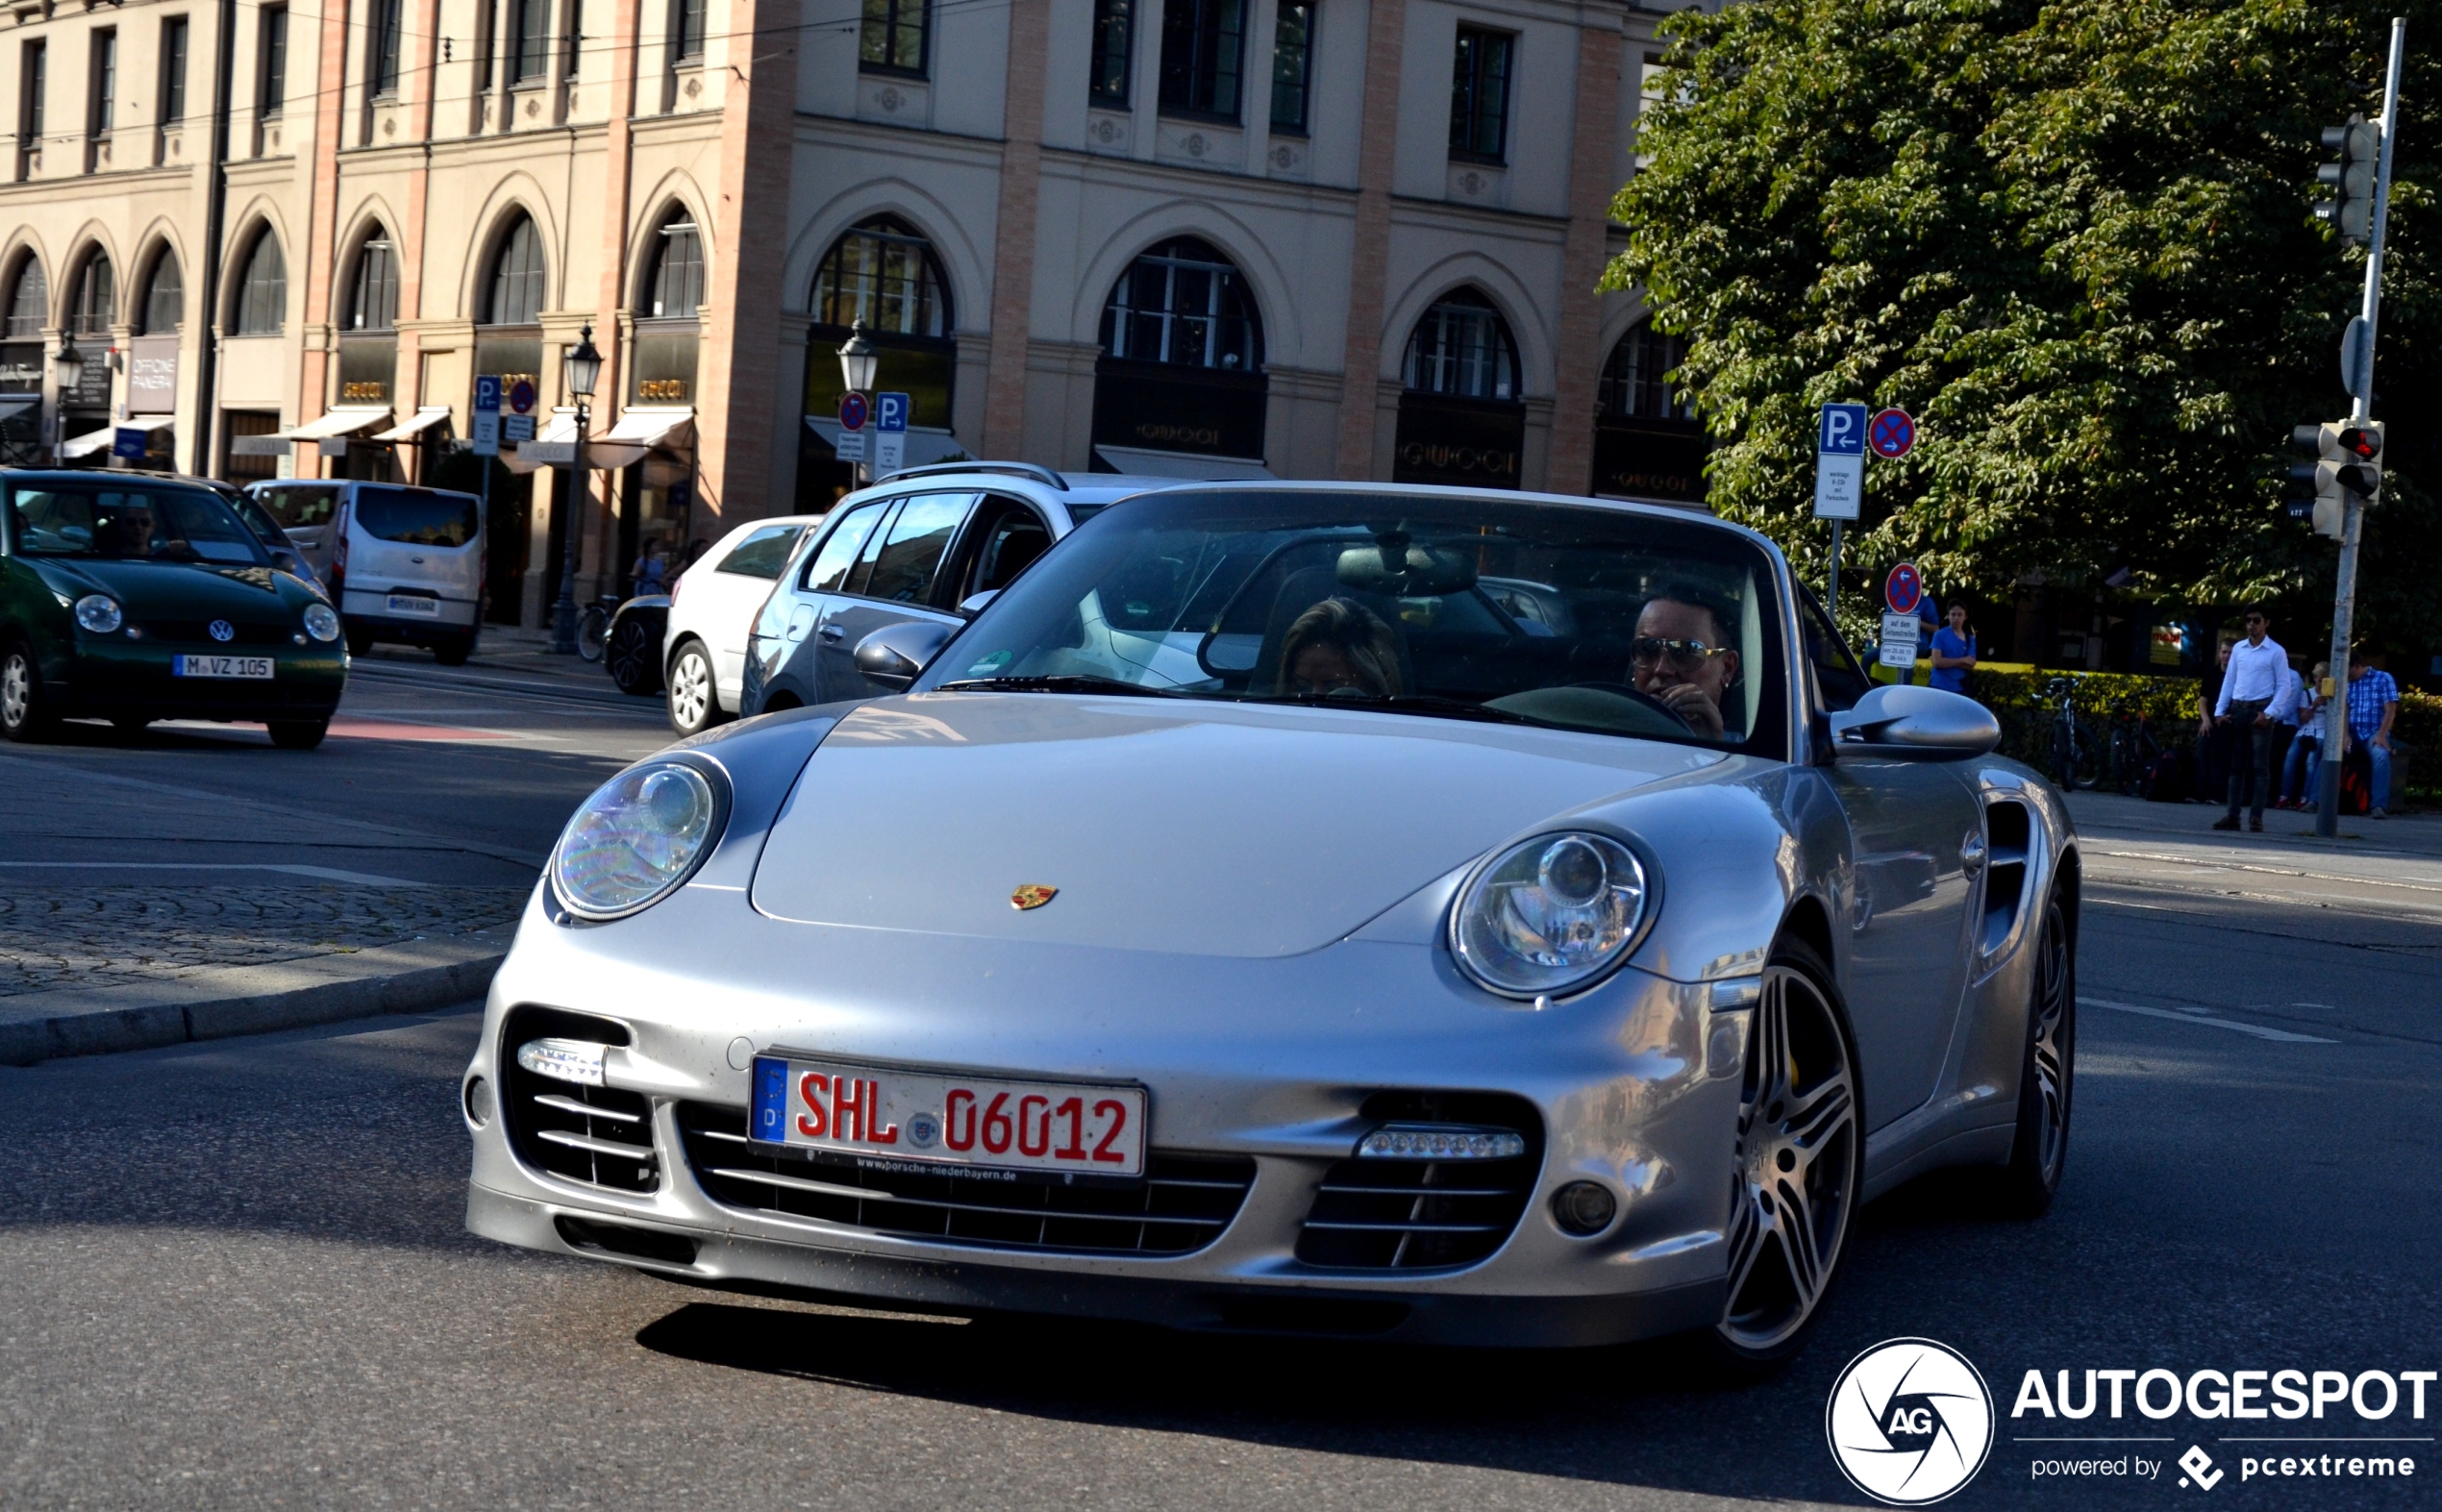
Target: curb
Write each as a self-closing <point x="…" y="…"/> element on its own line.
<point x="104" y="1030"/>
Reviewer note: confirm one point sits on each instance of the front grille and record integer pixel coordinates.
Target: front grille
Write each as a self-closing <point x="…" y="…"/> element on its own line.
<point x="196" y="631"/>
<point x="1411" y="1215"/>
<point x="602" y="1136"/>
<point x="1182" y="1203"/>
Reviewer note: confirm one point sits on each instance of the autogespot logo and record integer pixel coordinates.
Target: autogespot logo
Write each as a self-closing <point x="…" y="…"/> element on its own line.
<point x="1910" y="1421"/>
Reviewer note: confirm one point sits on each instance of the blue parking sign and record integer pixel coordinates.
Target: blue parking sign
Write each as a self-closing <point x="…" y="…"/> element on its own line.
<point x="1843" y="430"/>
<point x="891" y="412"/>
<point x="488" y="396"/>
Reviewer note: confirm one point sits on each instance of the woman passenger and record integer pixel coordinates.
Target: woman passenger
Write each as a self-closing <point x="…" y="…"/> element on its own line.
<point x="1340" y="646"/>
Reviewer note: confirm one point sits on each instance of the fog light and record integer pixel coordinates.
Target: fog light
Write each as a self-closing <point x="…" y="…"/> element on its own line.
<point x="479" y="1102"/>
<point x="563" y="1059"/>
<point x="1584" y="1208"/>
<point x="1440" y="1142"/>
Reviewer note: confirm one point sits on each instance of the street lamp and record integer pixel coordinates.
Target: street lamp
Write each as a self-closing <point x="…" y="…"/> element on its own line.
<point x="69" y="362"/>
<point x="583" y="371"/>
<point x="858" y="361"/>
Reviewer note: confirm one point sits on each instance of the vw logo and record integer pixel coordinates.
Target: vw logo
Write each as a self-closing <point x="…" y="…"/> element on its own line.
<point x="1910" y="1421"/>
<point x="221" y="629"/>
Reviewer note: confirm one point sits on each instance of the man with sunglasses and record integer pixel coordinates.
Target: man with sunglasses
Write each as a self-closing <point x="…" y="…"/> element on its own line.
<point x="1678" y="658"/>
<point x="2259" y="674"/>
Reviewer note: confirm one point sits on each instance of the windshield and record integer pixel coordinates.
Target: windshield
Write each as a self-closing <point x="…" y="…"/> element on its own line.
<point x="416" y="516"/>
<point x="1519" y="612"/>
<point x="299" y="506"/>
<point x="124" y="523"/>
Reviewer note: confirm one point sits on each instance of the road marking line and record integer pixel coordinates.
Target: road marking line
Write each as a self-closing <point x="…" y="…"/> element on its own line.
<point x="2200" y="1016"/>
<point x="2233" y="865"/>
<point x="327" y="873"/>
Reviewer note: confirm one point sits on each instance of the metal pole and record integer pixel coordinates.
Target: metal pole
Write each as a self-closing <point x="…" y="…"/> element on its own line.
<point x="563" y="612"/>
<point x="1832" y="583"/>
<point x="2352" y="509"/>
<point x="199" y="449"/>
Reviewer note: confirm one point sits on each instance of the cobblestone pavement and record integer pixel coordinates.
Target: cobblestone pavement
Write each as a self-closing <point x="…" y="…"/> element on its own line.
<point x="53" y="938"/>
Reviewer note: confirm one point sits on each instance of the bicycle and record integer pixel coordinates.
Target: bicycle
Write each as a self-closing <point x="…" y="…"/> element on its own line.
<point x="2134" y="750"/>
<point x="2077" y="756"/>
<point x="593" y="628"/>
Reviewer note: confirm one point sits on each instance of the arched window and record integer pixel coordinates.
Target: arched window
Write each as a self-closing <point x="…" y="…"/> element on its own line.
<point x="373" y="302"/>
<point x="29" y="300"/>
<point x="515" y="292"/>
<point x="1183" y="303"/>
<point x="676" y="286"/>
<point x="1636" y="381"/>
<point x="1461" y="350"/>
<point x="164" y="307"/>
<point x="96" y="300"/>
<point x="263" y="290"/>
<point x="883" y="274"/>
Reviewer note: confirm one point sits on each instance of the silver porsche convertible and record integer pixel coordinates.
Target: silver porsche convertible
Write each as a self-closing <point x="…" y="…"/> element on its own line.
<point x="1432" y="914"/>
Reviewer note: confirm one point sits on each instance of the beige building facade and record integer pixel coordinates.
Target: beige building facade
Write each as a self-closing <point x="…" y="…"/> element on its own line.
<point x="1311" y="238"/>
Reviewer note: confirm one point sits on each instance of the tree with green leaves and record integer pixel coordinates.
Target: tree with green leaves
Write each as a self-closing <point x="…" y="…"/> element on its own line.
<point x="2075" y="240"/>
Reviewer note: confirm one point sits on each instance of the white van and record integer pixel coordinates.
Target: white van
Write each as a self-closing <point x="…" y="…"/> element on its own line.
<point x="404" y="563"/>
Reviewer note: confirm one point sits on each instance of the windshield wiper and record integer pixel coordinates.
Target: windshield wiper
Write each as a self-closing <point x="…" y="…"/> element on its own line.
<point x="1408" y="702"/>
<point x="1066" y="682"/>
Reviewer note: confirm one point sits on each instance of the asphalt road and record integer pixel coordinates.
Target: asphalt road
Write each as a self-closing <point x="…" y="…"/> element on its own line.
<point x="233" y="1275"/>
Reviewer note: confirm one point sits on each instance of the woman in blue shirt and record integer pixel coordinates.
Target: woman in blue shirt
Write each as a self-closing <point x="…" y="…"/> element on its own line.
<point x="1953" y="651"/>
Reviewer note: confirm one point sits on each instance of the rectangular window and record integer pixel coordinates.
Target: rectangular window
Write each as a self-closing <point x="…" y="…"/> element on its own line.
<point x="892" y="38"/>
<point x="1479" y="95"/>
<point x="272" y="95"/>
<point x="386" y="21"/>
<point x="573" y="53"/>
<point x="530" y="47"/>
<point x="173" y="70"/>
<point x="687" y="30"/>
<point x="32" y="70"/>
<point x="103" y="110"/>
<point x="1115" y="41"/>
<point x="1292" y="65"/>
<point x="1202" y="41"/>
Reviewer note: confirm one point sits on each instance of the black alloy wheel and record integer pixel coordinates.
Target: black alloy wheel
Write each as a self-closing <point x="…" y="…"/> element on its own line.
<point x="1801" y="1153"/>
<point x="2047" y="1075"/>
<point x="631" y="660"/>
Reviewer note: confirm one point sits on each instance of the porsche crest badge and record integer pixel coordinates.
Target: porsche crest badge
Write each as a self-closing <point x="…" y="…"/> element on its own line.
<point x="1034" y="894"/>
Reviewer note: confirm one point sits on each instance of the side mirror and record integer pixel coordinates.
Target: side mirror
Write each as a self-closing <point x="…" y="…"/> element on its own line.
<point x="973" y="604"/>
<point x="1916" y="722"/>
<point x="894" y="655"/>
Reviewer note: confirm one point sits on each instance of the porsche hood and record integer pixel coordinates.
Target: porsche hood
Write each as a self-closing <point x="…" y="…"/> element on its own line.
<point x="1196" y="828"/>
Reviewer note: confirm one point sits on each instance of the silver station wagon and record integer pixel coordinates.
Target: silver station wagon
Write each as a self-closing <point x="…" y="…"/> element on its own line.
<point x="1432" y="914"/>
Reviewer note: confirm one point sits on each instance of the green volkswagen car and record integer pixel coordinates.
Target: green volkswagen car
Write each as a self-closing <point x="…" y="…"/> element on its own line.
<point x="134" y="599"/>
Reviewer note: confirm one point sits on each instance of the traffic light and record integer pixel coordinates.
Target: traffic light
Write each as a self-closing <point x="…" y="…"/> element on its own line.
<point x="2351" y="179"/>
<point x="2345" y="459"/>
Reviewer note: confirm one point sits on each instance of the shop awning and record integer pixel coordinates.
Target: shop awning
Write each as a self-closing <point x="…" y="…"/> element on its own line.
<point x="640" y="431"/>
<point x="1146" y="463"/>
<point x="346" y="420"/>
<point x="426" y="417"/>
<point x="92" y="441"/>
<point x="554" y="445"/>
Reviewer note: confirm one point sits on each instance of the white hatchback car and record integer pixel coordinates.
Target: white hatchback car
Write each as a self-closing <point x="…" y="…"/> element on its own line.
<point x="713" y="607"/>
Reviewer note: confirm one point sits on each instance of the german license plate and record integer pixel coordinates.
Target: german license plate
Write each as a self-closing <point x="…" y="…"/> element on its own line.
<point x="413" y="604"/>
<point x="1090" y="1129"/>
<point x="257" y="667"/>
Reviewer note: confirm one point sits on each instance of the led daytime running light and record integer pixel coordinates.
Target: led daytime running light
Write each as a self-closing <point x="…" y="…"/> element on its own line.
<point x="1440" y="1142"/>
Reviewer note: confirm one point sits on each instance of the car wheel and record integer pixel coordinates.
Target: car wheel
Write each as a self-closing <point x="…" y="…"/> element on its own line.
<point x="695" y="702"/>
<point x="130" y="723"/>
<point x="359" y="643"/>
<point x="2047" y="1074"/>
<point x="1801" y="1153"/>
<point x="453" y="653"/>
<point x="25" y="714"/>
<point x="299" y="734"/>
<point x="630" y="658"/>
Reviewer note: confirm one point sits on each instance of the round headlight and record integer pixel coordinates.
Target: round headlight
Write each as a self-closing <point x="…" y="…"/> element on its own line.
<point x="636" y="840"/>
<point x="99" y="614"/>
<point x="321" y="622"/>
<point x="1549" y="915"/>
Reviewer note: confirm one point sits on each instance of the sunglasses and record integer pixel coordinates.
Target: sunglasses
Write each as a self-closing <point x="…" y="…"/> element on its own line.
<point x="1686" y="655"/>
<point x="2256" y="619"/>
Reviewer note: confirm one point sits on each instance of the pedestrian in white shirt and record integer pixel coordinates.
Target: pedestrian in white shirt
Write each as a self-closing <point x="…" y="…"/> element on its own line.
<point x="2299" y="767"/>
<point x="2258" y="675"/>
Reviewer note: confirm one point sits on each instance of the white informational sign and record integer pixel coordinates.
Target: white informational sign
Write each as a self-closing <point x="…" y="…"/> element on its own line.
<point x="849" y="447"/>
<point x="517" y="428"/>
<point x="1840" y="462"/>
<point x="889" y="452"/>
<point x="1898" y="639"/>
